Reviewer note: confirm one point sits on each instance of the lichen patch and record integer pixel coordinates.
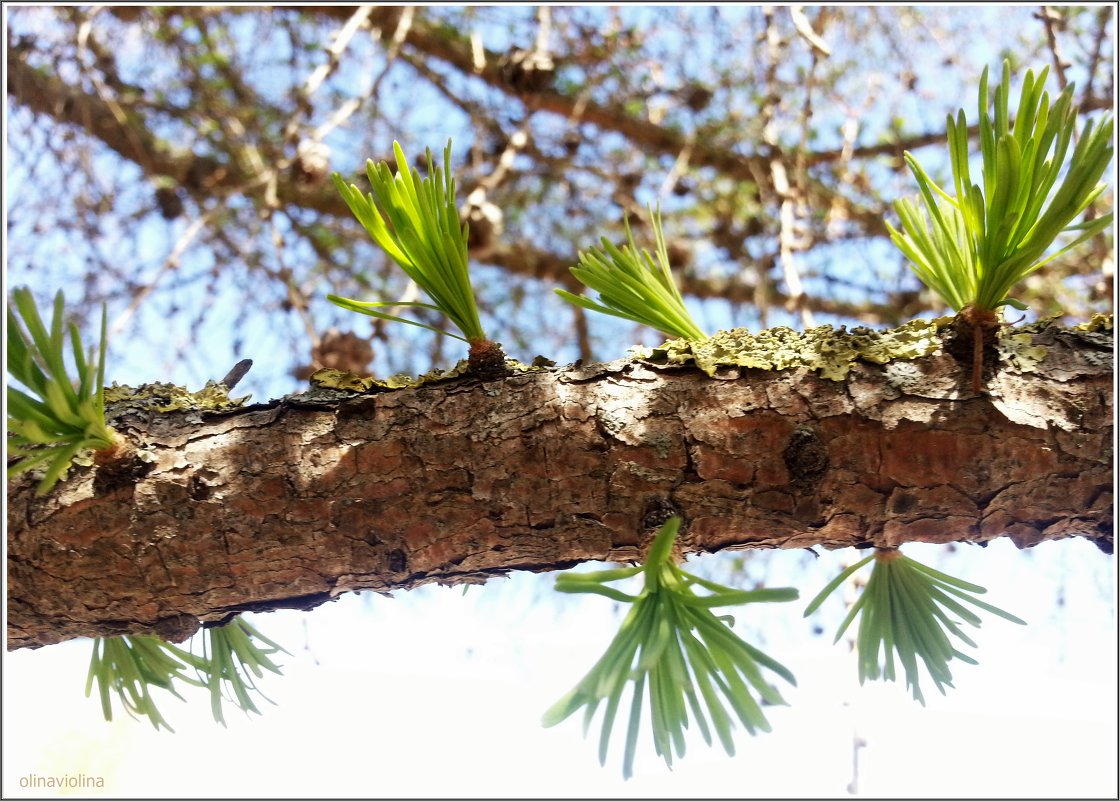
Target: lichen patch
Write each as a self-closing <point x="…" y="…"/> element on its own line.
<point x="165" y="397"/>
<point x="830" y="351"/>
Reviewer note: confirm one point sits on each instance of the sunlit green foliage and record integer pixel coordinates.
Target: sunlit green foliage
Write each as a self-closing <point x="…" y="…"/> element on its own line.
<point x="674" y="646"/>
<point x="633" y="286"/>
<point x="131" y="666"/>
<point x="983" y="241"/>
<point x="423" y="235"/>
<point x="56" y="418"/>
<point x="231" y="653"/>
<point x="906" y="608"/>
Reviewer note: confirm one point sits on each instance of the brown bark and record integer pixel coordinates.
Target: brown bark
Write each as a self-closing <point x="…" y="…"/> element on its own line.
<point x="290" y="503"/>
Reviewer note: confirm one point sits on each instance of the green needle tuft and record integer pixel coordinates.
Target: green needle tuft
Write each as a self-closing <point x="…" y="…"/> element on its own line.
<point x="416" y="222"/>
<point x="905" y="610"/>
<point x="633" y="286"/>
<point x="973" y="247"/>
<point x="55" y="418"/>
<point x="131" y="666"/>
<point x="673" y="644"/>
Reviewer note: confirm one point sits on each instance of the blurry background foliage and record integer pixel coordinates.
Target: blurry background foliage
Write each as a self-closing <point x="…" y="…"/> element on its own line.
<point x="172" y="163"/>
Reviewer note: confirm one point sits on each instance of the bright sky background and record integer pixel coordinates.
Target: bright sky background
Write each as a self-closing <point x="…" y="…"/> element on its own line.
<point x="433" y="693"/>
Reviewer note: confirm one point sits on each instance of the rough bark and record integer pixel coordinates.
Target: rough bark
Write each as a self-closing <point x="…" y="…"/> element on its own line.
<point x="289" y="504"/>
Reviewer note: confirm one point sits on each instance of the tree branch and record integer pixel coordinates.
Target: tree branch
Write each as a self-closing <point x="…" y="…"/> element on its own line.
<point x="291" y="503"/>
<point x="650" y="136"/>
<point x="49" y="95"/>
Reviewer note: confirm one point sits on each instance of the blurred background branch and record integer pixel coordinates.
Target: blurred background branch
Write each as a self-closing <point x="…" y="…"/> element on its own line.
<point x="194" y="143"/>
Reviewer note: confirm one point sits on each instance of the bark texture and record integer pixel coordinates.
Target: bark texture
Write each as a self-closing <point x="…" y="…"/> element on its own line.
<point x="290" y="504"/>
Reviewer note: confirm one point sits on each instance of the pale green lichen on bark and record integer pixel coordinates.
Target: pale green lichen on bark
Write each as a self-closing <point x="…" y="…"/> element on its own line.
<point x="166" y="397"/>
<point x="347" y="381"/>
<point x="831" y="351"/>
<point x="1101" y="321"/>
<point x="1015" y="347"/>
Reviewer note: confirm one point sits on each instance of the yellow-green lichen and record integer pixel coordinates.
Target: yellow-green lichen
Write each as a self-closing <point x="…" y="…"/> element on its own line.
<point x="165" y="397"/>
<point x="1015" y="348"/>
<point x="347" y="381"/>
<point x="1098" y="322"/>
<point x="330" y="378"/>
<point x="831" y="351"/>
<point x="1016" y="345"/>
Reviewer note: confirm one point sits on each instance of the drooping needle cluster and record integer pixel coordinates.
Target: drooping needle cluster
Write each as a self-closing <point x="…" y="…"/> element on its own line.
<point x="906" y="608"/>
<point x="130" y="666"/>
<point x="672" y="645"/>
